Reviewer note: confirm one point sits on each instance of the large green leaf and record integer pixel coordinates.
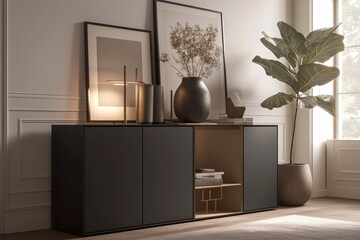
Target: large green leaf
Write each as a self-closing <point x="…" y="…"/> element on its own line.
<point x="326" y="102"/>
<point x="324" y="50"/>
<point x="314" y="74"/>
<point x="277" y="70"/>
<point x="276" y="50"/>
<point x="278" y="100"/>
<point x="319" y="35"/>
<point x="308" y="101"/>
<point x="293" y="39"/>
<point x="278" y="47"/>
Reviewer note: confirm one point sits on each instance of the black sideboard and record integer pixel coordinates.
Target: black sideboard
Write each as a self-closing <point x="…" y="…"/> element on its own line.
<point x="108" y="178"/>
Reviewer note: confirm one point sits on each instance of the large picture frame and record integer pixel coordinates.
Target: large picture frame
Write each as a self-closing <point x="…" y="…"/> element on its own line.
<point x="168" y="14"/>
<point x="115" y="55"/>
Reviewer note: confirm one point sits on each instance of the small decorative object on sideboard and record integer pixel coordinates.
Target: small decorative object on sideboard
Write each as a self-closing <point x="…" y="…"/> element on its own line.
<point x="145" y="103"/>
<point x="234" y="106"/>
<point x="158" y="116"/>
<point x="207" y="177"/>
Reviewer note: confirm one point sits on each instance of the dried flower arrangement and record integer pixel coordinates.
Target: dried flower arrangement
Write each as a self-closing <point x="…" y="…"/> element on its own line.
<point x="197" y="50"/>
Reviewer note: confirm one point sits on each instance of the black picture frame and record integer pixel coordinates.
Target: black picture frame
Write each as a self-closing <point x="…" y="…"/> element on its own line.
<point x="113" y="54"/>
<point x="169" y="13"/>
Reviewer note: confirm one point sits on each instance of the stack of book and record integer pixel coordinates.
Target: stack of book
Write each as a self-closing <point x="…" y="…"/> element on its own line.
<point x="207" y="177"/>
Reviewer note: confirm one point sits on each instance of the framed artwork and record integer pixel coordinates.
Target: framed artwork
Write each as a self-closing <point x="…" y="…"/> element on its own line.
<point x="169" y="17"/>
<point x="115" y="55"/>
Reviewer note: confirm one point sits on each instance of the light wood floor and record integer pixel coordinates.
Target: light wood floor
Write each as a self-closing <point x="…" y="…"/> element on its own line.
<point x="334" y="208"/>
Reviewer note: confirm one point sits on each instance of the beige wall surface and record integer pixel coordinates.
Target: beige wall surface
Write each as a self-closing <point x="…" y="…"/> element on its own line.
<point x="45" y="79"/>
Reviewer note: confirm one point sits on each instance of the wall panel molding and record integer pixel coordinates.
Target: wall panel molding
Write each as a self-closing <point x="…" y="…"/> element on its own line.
<point x="44" y="110"/>
<point x="347" y="180"/>
<point x="22" y="122"/>
<point x="343" y="168"/>
<point x="34" y="102"/>
<point x="29" y="199"/>
<point x="44" y="96"/>
<point x="18" y="209"/>
<point x="29" y="157"/>
<point x="349" y="156"/>
<point x="27" y="218"/>
<point x="22" y="159"/>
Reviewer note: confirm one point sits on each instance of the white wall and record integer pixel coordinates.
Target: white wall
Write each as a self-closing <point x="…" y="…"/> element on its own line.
<point x="46" y="82"/>
<point x="303" y="138"/>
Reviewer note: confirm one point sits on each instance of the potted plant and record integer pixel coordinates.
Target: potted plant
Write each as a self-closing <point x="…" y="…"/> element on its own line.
<point x="303" y="69"/>
<point x="197" y="56"/>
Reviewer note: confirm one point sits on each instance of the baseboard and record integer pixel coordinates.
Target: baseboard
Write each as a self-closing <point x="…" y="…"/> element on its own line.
<point x="27" y="219"/>
<point x="344" y="192"/>
<point x="319" y="193"/>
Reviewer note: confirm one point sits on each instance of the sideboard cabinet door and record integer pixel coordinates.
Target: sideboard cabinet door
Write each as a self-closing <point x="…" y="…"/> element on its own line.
<point x="260" y="167"/>
<point x="113" y="178"/>
<point x="168" y="174"/>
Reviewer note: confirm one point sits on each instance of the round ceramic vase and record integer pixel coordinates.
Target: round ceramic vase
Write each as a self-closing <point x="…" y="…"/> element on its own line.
<point x="294" y="184"/>
<point x="192" y="100"/>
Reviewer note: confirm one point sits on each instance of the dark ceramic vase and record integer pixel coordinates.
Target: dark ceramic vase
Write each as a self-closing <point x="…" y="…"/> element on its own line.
<point x="192" y="100"/>
<point x="294" y="184"/>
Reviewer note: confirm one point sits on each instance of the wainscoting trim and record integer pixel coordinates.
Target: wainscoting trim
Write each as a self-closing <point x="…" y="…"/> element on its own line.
<point x="340" y="182"/>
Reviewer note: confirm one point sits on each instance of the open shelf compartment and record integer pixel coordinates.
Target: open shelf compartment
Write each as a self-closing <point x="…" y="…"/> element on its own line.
<point x="221" y="149"/>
